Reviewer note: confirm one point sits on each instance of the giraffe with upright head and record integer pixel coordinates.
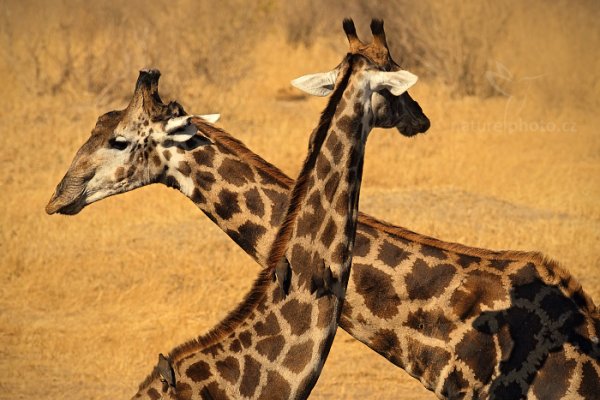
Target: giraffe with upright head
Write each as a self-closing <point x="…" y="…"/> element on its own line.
<point x="411" y="298"/>
<point x="276" y="341"/>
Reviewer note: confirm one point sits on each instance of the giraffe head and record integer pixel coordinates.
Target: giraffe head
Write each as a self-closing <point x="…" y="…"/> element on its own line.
<point x="127" y="148"/>
<point x="392" y="106"/>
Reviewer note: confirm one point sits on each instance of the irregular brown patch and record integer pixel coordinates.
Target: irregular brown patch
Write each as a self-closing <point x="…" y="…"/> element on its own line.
<point x="524" y="275"/>
<point x="213" y="392"/>
<point x="386" y="343"/>
<point x="500" y="264"/>
<point x="329" y="233"/>
<point x="342" y="205"/>
<point x="298" y="356"/>
<point x="204" y="179"/>
<point x="465" y="261"/>
<point x="227" y="205"/>
<point x="198" y="197"/>
<point x="278" y="207"/>
<point x="376" y="289"/>
<point x="302" y="264"/>
<point x="184" y="168"/>
<point x="270" y="347"/>
<point x="455" y="385"/>
<point x="478" y="351"/>
<point x="167" y="155"/>
<point x="235" y="346"/>
<point x="391" y="254"/>
<point x="269" y="327"/>
<point x="479" y="288"/>
<point x="184" y="391"/>
<point x="204" y="156"/>
<point x="235" y="172"/>
<point x="331" y="187"/>
<point x="153" y="394"/>
<point x="309" y="222"/>
<point x="590" y="382"/>
<point x="247" y="236"/>
<point x="276" y="386"/>
<point x="434" y="252"/>
<point x="426" y="361"/>
<point x="298" y="315"/>
<point x="120" y="174"/>
<point x="323" y="167"/>
<point x="254" y="202"/>
<point x="246" y="339"/>
<point x="325" y="317"/>
<point x="251" y="377"/>
<point x="362" y="245"/>
<point x="431" y="323"/>
<point x="552" y="380"/>
<point x="199" y="371"/>
<point x="335" y="147"/>
<point x="425" y="282"/>
<point x="229" y="369"/>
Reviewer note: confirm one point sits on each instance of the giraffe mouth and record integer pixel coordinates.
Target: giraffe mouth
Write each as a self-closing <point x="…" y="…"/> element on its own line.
<point x="70" y="196"/>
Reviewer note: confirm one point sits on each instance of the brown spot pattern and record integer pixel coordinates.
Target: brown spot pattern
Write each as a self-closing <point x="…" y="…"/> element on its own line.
<point x="386" y="343"/>
<point x="432" y="323"/>
<point x="254" y="203"/>
<point x="229" y="369"/>
<point x="270" y="347"/>
<point x="477" y="350"/>
<point x="298" y="357"/>
<point x="204" y="156"/>
<point x="298" y="315"/>
<point x="198" y="371"/>
<point x="269" y="327"/>
<point x="329" y="233"/>
<point x="391" y="254"/>
<point x="246" y="339"/>
<point x="276" y="387"/>
<point x="184" y="168"/>
<point x="552" y="380"/>
<point x="428" y="360"/>
<point x="362" y="245"/>
<point x="227" y="205"/>
<point x="376" y="289"/>
<point x="425" y="282"/>
<point x="251" y="377"/>
<point x="434" y="252"/>
<point x="236" y="172"/>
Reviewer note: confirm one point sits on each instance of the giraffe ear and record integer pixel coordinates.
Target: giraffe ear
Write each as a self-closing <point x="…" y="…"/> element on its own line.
<point x="397" y="82"/>
<point x="180" y="129"/>
<point x="320" y="84"/>
<point x="212" y="118"/>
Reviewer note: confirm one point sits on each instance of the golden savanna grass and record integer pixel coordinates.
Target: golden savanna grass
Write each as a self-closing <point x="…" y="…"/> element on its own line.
<point x="512" y="161"/>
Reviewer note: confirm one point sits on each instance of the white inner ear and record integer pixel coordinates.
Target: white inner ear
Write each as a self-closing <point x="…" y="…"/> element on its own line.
<point x="397" y="82"/>
<point x="180" y="129"/>
<point x="320" y="84"/>
<point x="212" y="118"/>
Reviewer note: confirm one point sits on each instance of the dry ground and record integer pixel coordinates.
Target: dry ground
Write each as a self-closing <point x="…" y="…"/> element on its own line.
<point x="87" y="302"/>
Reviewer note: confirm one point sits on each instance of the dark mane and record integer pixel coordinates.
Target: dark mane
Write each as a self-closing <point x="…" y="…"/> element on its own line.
<point x="282" y="238"/>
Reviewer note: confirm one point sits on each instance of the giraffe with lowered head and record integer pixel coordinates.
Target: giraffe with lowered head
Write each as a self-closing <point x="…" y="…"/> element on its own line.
<point x="409" y="295"/>
<point x="275" y="343"/>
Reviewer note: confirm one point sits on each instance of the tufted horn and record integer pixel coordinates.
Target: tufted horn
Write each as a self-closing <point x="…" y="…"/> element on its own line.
<point x="378" y="33"/>
<point x="353" y="39"/>
<point x="145" y="96"/>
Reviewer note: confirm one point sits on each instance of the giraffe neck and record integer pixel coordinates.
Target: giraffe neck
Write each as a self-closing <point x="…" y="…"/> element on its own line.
<point x="391" y="266"/>
<point x="277" y="342"/>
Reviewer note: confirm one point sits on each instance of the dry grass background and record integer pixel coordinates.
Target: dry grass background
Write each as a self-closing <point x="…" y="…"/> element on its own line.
<point x="512" y="161"/>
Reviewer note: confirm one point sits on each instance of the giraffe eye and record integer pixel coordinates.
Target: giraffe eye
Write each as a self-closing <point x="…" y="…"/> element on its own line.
<point x="118" y="143"/>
